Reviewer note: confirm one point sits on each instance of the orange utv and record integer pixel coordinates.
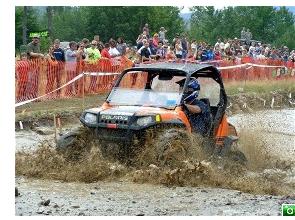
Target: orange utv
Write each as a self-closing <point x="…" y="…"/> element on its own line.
<point x="148" y="97"/>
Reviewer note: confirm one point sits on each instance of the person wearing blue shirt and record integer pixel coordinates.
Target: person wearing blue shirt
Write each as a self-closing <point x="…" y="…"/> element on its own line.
<point x="210" y="54"/>
<point x="198" y="112"/>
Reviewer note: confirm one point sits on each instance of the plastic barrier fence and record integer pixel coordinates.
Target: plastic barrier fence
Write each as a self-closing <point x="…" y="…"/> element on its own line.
<point x="47" y="79"/>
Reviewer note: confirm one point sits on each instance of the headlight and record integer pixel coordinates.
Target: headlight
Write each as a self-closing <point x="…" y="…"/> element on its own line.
<point x="144" y="120"/>
<point x="90" y="118"/>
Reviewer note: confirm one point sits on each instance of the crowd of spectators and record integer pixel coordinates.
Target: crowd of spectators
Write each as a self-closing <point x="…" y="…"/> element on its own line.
<point x="149" y="46"/>
<point x="156" y="47"/>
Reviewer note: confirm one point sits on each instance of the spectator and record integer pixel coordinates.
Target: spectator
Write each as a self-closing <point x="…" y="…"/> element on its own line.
<point x="204" y="55"/>
<point x="194" y="46"/>
<point x="121" y="46"/>
<point x="243" y="34"/>
<point x="82" y="51"/>
<point x="152" y="47"/>
<point x="34" y="54"/>
<point x="145" y="52"/>
<point x="93" y="53"/>
<point x="105" y="51"/>
<point x="217" y="45"/>
<point x="161" y="51"/>
<point x="244" y="53"/>
<point x="248" y="36"/>
<point x="274" y="54"/>
<point x="178" y="49"/>
<point x="228" y="44"/>
<point x="99" y="42"/>
<point x="184" y="45"/>
<point x="70" y="67"/>
<point x="285" y="54"/>
<point x="58" y="54"/>
<point x="86" y="42"/>
<point x="146" y="30"/>
<point x="210" y="53"/>
<point x="113" y="50"/>
<point x="217" y="54"/>
<point x="54" y="71"/>
<point x="228" y="54"/>
<point x="139" y="50"/>
<point x="155" y="40"/>
<point x="175" y="40"/>
<point x="33" y="48"/>
<point x="162" y="33"/>
<point x="292" y="56"/>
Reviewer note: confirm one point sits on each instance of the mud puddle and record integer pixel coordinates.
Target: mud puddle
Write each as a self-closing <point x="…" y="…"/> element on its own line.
<point x="269" y="173"/>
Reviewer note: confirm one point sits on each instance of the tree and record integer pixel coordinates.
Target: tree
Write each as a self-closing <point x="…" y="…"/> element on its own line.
<point x="24" y="13"/>
<point x="128" y="21"/>
<point x="49" y="19"/>
<point x="24" y="24"/>
<point x="266" y="24"/>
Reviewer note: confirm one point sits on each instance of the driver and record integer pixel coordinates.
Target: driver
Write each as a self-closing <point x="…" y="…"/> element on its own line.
<point x="198" y="112"/>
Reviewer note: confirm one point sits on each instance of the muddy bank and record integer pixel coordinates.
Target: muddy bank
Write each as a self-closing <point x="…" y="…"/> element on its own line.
<point x="70" y="110"/>
<point x="250" y="102"/>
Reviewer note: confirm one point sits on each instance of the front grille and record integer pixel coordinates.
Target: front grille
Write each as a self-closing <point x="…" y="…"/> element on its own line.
<point x="114" y="119"/>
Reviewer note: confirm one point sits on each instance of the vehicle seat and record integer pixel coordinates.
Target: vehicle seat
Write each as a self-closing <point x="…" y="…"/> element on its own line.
<point x="206" y="101"/>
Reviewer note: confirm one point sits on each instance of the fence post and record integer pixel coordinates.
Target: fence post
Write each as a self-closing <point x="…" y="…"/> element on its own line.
<point x="83" y="90"/>
<point x="55" y="129"/>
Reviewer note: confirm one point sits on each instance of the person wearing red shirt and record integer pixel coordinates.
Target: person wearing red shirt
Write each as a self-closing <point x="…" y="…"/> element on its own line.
<point x="105" y="51"/>
<point x="156" y="40"/>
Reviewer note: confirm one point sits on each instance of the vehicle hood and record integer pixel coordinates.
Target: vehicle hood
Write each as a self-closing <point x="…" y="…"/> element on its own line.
<point x="129" y="110"/>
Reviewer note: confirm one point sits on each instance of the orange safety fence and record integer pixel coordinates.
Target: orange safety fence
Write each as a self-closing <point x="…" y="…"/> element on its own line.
<point x="43" y="78"/>
<point x="35" y="78"/>
<point x="257" y="69"/>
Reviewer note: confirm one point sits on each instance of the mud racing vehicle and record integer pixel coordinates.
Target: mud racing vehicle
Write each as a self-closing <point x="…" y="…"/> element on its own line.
<point x="146" y="107"/>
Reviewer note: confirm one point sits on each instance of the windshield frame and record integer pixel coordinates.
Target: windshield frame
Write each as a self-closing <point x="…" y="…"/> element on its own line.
<point x="150" y="72"/>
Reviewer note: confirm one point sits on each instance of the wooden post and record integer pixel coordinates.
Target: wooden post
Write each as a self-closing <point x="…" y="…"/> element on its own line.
<point x="55" y="136"/>
<point x="59" y="124"/>
<point x="83" y="92"/>
<point x="21" y="125"/>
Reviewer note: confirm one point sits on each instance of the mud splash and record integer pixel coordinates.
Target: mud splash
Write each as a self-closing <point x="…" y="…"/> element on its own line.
<point x="264" y="173"/>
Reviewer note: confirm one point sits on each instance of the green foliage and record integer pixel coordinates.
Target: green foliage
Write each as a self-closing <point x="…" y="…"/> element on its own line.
<point x="32" y="24"/>
<point x="74" y="23"/>
<point x="127" y="22"/>
<point x="265" y="23"/>
<point x="45" y="43"/>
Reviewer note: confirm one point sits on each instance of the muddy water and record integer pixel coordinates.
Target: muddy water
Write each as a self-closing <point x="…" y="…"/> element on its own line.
<point x="269" y="173"/>
<point x="272" y="131"/>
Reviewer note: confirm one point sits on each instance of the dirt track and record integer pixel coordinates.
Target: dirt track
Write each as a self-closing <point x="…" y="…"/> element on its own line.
<point x="125" y="197"/>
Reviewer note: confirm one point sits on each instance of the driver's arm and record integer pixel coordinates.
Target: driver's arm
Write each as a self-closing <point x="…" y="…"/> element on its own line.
<point x="194" y="109"/>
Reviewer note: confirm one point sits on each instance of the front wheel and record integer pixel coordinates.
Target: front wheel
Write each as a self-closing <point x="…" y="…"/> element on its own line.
<point x="169" y="147"/>
<point x="74" y="145"/>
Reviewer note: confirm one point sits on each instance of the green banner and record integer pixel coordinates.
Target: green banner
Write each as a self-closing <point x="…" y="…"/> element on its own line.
<point x="41" y="33"/>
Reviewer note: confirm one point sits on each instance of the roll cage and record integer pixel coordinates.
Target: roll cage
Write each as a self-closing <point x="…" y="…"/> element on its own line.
<point x="166" y="70"/>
